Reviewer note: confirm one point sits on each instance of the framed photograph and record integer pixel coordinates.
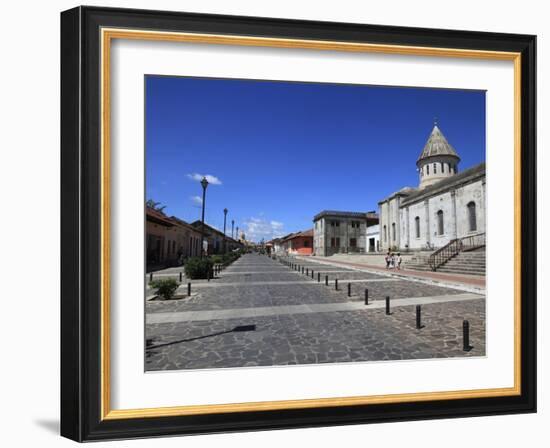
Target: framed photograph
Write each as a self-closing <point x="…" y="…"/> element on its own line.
<point x="277" y="224"/>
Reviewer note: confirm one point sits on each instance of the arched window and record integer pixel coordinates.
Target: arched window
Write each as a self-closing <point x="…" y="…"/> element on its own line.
<point x="440" y="227"/>
<point x="442" y="167"/>
<point x="428" y="170"/>
<point x="417" y="226"/>
<point x="385" y="234"/>
<point x="435" y="168"/>
<point x="393" y="231"/>
<point x="472" y="216"/>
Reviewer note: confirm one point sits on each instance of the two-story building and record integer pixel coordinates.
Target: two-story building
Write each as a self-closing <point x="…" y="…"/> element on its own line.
<point x="341" y="232"/>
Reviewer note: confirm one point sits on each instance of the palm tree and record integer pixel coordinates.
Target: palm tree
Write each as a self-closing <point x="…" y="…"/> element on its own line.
<point x="155" y="205"/>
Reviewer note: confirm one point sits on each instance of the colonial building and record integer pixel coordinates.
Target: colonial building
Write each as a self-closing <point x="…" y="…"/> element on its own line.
<point x="185" y="239"/>
<point x="169" y="240"/>
<point x="299" y="243"/>
<point x="446" y="204"/>
<point x="341" y="232"/>
<point x="215" y="239"/>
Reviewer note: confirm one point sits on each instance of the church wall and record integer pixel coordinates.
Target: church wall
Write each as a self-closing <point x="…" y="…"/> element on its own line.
<point x="390" y="214"/>
<point x="418" y="209"/>
<point x="468" y="193"/>
<point x="444" y="203"/>
<point x="454" y="205"/>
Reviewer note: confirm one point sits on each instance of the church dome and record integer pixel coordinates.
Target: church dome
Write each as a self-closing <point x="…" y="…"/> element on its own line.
<point x="438" y="159"/>
<point x="437" y="145"/>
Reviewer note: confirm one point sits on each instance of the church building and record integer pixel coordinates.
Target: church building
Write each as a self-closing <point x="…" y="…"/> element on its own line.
<point x="446" y="204"/>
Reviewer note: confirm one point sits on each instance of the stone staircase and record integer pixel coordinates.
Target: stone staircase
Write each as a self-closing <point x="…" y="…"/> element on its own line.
<point x="418" y="262"/>
<point x="468" y="262"/>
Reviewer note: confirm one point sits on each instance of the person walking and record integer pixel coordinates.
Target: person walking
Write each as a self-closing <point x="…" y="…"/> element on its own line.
<point x="399" y="261"/>
<point x="388" y="260"/>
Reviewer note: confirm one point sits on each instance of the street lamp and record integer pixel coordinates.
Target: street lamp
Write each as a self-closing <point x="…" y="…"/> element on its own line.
<point x="232" y="228"/>
<point x="224" y="221"/>
<point x="204" y="184"/>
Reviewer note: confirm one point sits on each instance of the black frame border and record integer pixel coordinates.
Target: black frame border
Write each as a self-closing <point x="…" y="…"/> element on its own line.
<point x="81" y="223"/>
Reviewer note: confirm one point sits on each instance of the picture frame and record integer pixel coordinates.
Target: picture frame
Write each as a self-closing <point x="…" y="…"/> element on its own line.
<point x="86" y="37"/>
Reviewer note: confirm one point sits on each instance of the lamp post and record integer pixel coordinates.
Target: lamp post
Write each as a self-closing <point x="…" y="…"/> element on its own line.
<point x="224" y="221"/>
<point x="237" y="235"/>
<point x="232" y="228"/>
<point x="204" y="184"/>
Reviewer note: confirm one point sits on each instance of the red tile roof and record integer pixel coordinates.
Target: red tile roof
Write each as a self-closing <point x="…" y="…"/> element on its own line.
<point x="158" y="217"/>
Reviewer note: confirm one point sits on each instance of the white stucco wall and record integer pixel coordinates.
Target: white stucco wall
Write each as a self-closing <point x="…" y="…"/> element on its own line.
<point x="454" y="205"/>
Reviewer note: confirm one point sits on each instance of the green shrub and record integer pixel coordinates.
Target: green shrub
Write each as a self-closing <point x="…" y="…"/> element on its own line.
<point x="217" y="259"/>
<point x="196" y="268"/>
<point x="165" y="288"/>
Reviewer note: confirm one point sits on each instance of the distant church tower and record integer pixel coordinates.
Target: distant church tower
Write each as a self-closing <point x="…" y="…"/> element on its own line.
<point x="438" y="159"/>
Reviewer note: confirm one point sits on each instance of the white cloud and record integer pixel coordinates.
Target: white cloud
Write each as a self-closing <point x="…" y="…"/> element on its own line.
<point x="257" y="229"/>
<point x="196" y="199"/>
<point x="209" y="177"/>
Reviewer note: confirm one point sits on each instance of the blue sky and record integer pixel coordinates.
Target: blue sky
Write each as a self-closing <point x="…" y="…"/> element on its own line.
<point x="280" y="152"/>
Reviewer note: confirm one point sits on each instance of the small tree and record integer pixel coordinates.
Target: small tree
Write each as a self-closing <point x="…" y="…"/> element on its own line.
<point x="165" y="288"/>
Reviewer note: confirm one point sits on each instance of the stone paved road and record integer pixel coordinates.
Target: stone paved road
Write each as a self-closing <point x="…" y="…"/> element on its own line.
<point x="256" y="283"/>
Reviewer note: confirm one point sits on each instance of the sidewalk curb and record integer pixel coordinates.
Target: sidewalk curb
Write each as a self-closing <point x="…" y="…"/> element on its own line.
<point x="433" y="282"/>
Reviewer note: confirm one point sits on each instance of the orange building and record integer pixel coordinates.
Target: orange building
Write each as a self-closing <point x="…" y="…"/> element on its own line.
<point x="299" y="243"/>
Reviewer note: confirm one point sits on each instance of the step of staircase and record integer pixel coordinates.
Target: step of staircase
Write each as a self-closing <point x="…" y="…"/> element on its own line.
<point x="461" y="271"/>
<point x="467" y="263"/>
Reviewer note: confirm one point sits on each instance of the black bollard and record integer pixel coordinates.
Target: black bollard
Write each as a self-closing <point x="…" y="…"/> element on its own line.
<point x="312" y="273"/>
<point x="349" y="289"/>
<point x="189" y="289"/>
<point x="336" y="284"/>
<point x="151" y="277"/>
<point x="366" y="296"/>
<point x="209" y="274"/>
<point x="326" y="280"/>
<point x="318" y="277"/>
<point x="307" y="272"/>
<point x="388" y="305"/>
<point x="180" y="277"/>
<point x="418" y="317"/>
<point x="466" y="336"/>
<point x="302" y="269"/>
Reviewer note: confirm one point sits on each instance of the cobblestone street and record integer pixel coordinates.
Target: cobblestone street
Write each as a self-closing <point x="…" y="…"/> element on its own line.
<point x="286" y="317"/>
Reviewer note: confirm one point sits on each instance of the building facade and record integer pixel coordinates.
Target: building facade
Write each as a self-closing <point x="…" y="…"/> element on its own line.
<point x="299" y="243"/>
<point x="373" y="238"/>
<point x="169" y="240"/>
<point x="341" y="232"/>
<point x="215" y="240"/>
<point x="446" y="205"/>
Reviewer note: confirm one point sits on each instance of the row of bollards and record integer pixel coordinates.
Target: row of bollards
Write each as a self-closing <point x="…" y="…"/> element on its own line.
<point x="418" y="309"/>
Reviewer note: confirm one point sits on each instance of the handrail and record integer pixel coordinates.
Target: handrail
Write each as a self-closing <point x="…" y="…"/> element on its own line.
<point x="454" y="247"/>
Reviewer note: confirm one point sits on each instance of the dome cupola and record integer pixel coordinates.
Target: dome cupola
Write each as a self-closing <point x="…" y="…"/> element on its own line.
<point x="438" y="159"/>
